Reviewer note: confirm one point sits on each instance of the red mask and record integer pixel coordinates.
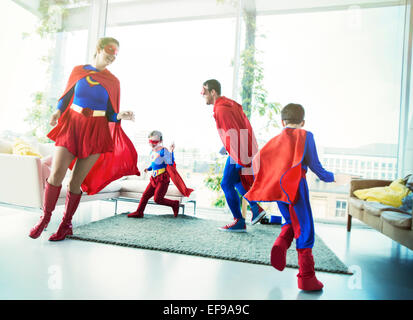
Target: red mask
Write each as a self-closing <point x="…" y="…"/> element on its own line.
<point x="111" y="49"/>
<point x="153" y="142"/>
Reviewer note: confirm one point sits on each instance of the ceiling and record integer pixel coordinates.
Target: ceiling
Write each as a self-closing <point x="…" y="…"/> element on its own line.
<point x="128" y="12"/>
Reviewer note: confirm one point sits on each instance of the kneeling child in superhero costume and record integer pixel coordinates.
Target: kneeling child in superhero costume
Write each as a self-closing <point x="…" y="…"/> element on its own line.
<point x="163" y="169"/>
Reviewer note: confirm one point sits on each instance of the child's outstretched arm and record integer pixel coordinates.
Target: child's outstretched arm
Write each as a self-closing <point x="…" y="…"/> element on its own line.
<point x="311" y="159"/>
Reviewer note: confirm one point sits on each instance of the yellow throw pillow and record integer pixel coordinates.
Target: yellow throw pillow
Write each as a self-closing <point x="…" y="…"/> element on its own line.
<point x="22" y="148"/>
<point x="391" y="195"/>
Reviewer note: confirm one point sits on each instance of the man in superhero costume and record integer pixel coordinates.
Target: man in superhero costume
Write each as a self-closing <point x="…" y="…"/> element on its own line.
<point x="163" y="168"/>
<point x="280" y="169"/>
<point x="88" y="138"/>
<point x="239" y="141"/>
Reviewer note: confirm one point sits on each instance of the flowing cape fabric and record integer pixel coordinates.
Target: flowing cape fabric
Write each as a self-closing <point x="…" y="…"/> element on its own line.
<point x="177" y="180"/>
<point x="236" y="135"/>
<point x="123" y="160"/>
<point x="278" y="170"/>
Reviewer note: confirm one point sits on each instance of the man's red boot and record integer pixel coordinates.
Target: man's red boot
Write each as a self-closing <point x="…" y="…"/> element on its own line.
<point x="306" y="275"/>
<point x="50" y="197"/>
<point x="280" y="247"/>
<point x="65" y="227"/>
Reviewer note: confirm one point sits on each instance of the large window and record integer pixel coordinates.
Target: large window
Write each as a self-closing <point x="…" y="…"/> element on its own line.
<point x="341" y="208"/>
<point x="22" y="72"/>
<point x="346" y="75"/>
<point x="161" y="68"/>
<point x="35" y="65"/>
<point x="344" y="67"/>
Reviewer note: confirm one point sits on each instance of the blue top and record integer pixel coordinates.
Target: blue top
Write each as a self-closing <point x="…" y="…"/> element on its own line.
<point x="160" y="159"/>
<point x="88" y="93"/>
<point x="311" y="160"/>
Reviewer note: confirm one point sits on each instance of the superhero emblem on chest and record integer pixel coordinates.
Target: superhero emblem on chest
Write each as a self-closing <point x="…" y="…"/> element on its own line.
<point x="90" y="81"/>
<point x="154" y="156"/>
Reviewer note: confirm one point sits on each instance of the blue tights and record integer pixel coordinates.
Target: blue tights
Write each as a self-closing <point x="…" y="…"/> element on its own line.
<point x="231" y="183"/>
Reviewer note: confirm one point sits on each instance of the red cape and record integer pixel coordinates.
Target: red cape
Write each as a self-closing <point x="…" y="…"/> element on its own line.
<point x="123" y="160"/>
<point x="235" y="131"/>
<point x="177" y="180"/>
<point x="278" y="171"/>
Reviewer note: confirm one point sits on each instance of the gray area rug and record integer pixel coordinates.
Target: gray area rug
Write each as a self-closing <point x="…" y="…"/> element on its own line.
<point x="200" y="237"/>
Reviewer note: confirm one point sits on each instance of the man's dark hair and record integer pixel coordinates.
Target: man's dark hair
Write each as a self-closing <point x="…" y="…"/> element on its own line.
<point x="213" y="84"/>
<point x="293" y="113"/>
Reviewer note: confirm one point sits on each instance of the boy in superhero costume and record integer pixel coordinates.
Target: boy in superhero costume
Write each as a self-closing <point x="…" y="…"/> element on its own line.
<point x="163" y="169"/>
<point x="280" y="169"/>
<point x="239" y="141"/>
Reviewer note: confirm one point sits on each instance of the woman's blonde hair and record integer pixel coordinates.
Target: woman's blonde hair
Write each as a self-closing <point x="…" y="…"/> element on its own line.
<point x="102" y="42"/>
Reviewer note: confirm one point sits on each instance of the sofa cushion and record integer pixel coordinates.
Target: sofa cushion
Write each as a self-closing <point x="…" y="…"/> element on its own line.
<point x="376" y="208"/>
<point x="22" y="148"/>
<point x="173" y="191"/>
<point x="357" y="203"/>
<point x="112" y="187"/>
<point x="139" y="186"/>
<point x="6" y="147"/>
<point x="46" y="149"/>
<point x="134" y="185"/>
<point x="391" y="195"/>
<point x="137" y="196"/>
<point x="397" y="219"/>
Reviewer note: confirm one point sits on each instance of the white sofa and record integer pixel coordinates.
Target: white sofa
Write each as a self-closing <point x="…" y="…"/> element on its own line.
<point x="22" y="183"/>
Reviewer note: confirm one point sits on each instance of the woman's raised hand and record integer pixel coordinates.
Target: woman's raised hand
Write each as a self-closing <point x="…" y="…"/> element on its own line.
<point x="126" y="115"/>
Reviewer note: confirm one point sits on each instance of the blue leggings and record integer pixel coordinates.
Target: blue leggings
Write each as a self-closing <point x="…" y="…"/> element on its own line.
<point x="231" y="182"/>
<point x="304" y="214"/>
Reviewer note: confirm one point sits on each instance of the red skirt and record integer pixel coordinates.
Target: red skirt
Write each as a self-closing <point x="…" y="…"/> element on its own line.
<point x="81" y="135"/>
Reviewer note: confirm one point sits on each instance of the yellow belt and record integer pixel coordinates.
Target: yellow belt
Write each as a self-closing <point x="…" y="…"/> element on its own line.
<point x="157" y="172"/>
<point x="88" y="112"/>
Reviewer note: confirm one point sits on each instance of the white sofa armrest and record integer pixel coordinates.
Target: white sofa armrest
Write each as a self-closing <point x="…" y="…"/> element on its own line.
<point x="21" y="180"/>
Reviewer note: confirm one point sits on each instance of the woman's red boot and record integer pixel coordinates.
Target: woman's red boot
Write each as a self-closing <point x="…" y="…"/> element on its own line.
<point x="51" y="195"/>
<point x="65" y="227"/>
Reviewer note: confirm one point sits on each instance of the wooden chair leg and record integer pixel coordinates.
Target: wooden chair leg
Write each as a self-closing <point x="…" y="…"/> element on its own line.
<point x="349" y="222"/>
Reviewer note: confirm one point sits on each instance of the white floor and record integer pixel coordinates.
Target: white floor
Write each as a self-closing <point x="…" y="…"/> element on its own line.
<point x="71" y="269"/>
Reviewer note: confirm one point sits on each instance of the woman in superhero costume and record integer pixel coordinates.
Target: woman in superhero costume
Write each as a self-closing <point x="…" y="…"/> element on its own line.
<point x="88" y="138"/>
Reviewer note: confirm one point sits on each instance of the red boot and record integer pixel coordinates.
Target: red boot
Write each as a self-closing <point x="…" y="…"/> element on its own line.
<point x="175" y="208"/>
<point x="135" y="214"/>
<point x="51" y="195"/>
<point x="280" y="246"/>
<point x="306" y="275"/>
<point x="65" y="227"/>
